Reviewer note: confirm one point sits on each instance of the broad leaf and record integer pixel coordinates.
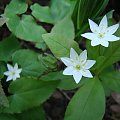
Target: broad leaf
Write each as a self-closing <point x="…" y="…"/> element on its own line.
<point x="7" y="117"/>
<point x="84" y="104"/>
<point x="28" y="93"/>
<point x="66" y="82"/>
<point x="61" y="40"/>
<point x="2" y="69"/>
<point x="33" y="64"/>
<point x="36" y="113"/>
<point x="56" y="12"/>
<point x="3" y="99"/>
<point x="22" y="26"/>
<point x="7" y="47"/>
<point x="111" y="80"/>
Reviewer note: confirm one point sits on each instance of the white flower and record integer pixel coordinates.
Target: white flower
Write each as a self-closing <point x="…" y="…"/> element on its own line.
<point x="78" y="66"/>
<point x="13" y="72"/>
<point x="101" y="34"/>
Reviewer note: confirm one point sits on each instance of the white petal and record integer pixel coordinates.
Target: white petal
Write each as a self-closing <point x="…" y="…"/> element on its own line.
<point x="68" y="71"/>
<point x="111" y="38"/>
<point x="93" y="26"/>
<point x="112" y="29"/>
<point x="77" y="77"/>
<point x="73" y="54"/>
<point x="7" y="73"/>
<point x="83" y="56"/>
<point x="89" y="64"/>
<point x="95" y="42"/>
<point x="19" y="71"/>
<point x="87" y="73"/>
<point x="103" y="22"/>
<point x="2" y="21"/>
<point x="16" y="67"/>
<point x="10" y="68"/>
<point x="104" y="43"/>
<point x="67" y="61"/>
<point x="14" y="77"/>
<point x="89" y="36"/>
<point x="9" y="78"/>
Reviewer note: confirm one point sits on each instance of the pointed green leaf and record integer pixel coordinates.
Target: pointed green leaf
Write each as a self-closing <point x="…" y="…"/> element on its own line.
<point x="3" y="99"/>
<point x="22" y="26"/>
<point x="33" y="64"/>
<point x="7" y="47"/>
<point x="84" y="104"/>
<point x="66" y="82"/>
<point x="111" y="80"/>
<point x="16" y="7"/>
<point x="56" y="12"/>
<point x="61" y="40"/>
<point x="37" y="113"/>
<point x="29" y="93"/>
<point x="7" y="117"/>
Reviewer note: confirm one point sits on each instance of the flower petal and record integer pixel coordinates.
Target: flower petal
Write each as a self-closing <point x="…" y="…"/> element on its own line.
<point x="73" y="54"/>
<point x="67" y="61"/>
<point x="89" y="36"/>
<point x="7" y="73"/>
<point x="111" y="38"/>
<point x="112" y="29"/>
<point x="87" y="73"/>
<point x="83" y="57"/>
<point x="19" y="71"/>
<point x="68" y="71"/>
<point x="14" y="77"/>
<point x="10" y="68"/>
<point x="9" y="78"/>
<point x="16" y="67"/>
<point x="103" y="22"/>
<point x="77" y="77"/>
<point x="95" y="42"/>
<point x="89" y="64"/>
<point x="93" y="26"/>
<point x="104" y="43"/>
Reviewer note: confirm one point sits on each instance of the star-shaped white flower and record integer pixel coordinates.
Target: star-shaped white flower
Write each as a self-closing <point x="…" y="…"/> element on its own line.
<point x="13" y="72"/>
<point x="101" y="34"/>
<point x="78" y="65"/>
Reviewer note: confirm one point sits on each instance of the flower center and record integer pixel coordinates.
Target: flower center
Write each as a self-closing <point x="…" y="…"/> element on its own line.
<point x="101" y="35"/>
<point x="77" y="67"/>
<point x="13" y="73"/>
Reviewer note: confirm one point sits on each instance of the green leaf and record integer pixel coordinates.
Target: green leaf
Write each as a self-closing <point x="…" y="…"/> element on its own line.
<point x="28" y="93"/>
<point x="111" y="54"/>
<point x="66" y="82"/>
<point x="16" y="7"/>
<point x="25" y="28"/>
<point x="36" y="113"/>
<point x="7" y="47"/>
<point x="84" y="104"/>
<point x="22" y="26"/>
<point x="3" y="99"/>
<point x="7" y="117"/>
<point x="61" y="40"/>
<point x="56" y="12"/>
<point x="2" y="69"/>
<point x="111" y="80"/>
<point x="33" y="64"/>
